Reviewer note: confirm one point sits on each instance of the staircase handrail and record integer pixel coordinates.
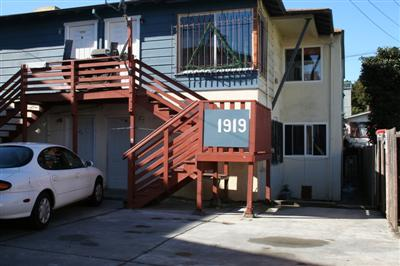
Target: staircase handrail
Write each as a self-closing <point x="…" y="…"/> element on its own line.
<point x="174" y="82"/>
<point x="163" y="127"/>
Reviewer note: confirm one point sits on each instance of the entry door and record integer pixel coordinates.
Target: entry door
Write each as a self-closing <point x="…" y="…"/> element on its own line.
<point x="86" y="138"/>
<point x="116" y="31"/>
<point x="84" y="37"/>
<point x="117" y="144"/>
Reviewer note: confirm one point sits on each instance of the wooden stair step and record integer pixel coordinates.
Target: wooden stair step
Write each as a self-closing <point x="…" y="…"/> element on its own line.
<point x="4" y="133"/>
<point x="8" y="127"/>
<point x="164" y="109"/>
<point x="15" y="121"/>
<point x="35" y="108"/>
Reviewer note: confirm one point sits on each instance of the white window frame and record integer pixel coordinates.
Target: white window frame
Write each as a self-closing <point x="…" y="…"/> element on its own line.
<point x="305" y="124"/>
<point x="135" y="29"/>
<point x="94" y="22"/>
<point x="301" y="49"/>
<point x="215" y="44"/>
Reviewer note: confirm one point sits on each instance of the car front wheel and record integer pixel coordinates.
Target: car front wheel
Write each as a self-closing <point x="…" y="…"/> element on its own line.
<point x="41" y="212"/>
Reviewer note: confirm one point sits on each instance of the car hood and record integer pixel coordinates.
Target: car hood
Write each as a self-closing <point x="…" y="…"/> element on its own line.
<point x="6" y="173"/>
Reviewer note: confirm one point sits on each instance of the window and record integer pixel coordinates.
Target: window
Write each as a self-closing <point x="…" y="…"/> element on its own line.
<point x="14" y="156"/>
<point x="263" y="47"/>
<point x="308" y="139"/>
<point x="215" y="40"/>
<point x="57" y="158"/>
<point x="73" y="160"/>
<point x="277" y="142"/>
<point x="307" y="64"/>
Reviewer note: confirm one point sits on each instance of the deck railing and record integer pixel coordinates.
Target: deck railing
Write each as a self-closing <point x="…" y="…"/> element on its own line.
<point x="87" y="74"/>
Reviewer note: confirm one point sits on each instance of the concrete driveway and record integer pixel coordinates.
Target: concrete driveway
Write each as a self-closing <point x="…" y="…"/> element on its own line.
<point x="172" y="235"/>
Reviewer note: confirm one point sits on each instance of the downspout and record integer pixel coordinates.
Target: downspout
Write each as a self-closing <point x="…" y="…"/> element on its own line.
<point x="330" y="158"/>
<point x="291" y="62"/>
<point x="330" y="196"/>
<point x="100" y="29"/>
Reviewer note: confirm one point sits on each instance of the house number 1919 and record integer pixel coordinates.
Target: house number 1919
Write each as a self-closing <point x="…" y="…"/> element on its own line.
<point x="232" y="125"/>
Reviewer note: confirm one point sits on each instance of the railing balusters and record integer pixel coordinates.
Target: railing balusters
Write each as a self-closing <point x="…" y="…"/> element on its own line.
<point x="23" y="103"/>
<point x="166" y="158"/>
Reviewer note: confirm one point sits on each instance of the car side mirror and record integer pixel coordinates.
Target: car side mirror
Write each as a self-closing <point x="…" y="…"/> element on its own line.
<point x="89" y="163"/>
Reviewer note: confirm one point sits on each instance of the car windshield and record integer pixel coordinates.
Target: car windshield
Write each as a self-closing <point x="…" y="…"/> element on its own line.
<point x="14" y="156"/>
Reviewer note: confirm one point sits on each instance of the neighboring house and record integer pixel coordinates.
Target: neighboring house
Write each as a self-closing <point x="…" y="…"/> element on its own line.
<point x="356" y="129"/>
<point x="347" y="98"/>
<point x="222" y="50"/>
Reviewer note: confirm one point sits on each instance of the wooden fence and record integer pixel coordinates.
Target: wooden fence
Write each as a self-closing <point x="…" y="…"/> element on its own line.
<point x="387" y="179"/>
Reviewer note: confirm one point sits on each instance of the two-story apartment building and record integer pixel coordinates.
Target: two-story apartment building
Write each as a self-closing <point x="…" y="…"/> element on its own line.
<point x="222" y="50"/>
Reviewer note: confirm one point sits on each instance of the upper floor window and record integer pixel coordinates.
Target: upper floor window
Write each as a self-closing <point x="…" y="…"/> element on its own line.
<point x="307" y="64"/>
<point x="263" y="47"/>
<point x="218" y="40"/>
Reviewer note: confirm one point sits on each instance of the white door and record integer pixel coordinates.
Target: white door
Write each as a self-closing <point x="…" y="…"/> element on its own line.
<point x="116" y="31"/>
<point x="84" y="37"/>
<point x="117" y="144"/>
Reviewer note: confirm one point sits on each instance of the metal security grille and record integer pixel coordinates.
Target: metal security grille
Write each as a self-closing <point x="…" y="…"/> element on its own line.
<point x="221" y="40"/>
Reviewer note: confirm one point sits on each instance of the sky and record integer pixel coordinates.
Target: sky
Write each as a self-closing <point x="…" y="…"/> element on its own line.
<point x="368" y="24"/>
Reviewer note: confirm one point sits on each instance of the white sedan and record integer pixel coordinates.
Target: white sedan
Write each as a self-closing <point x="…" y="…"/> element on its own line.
<point x="37" y="178"/>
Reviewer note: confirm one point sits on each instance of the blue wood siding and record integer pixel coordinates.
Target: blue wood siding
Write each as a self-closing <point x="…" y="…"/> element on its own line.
<point x="42" y="40"/>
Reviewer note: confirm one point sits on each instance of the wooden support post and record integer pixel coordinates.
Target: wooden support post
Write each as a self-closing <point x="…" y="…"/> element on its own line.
<point x="226" y="181"/>
<point x="24" y="103"/>
<point x="131" y="110"/>
<point x="268" y="181"/>
<point x="131" y="181"/>
<point x="130" y="35"/>
<point x="215" y="194"/>
<point x="199" y="191"/>
<point x="74" y="107"/>
<point x="249" y="207"/>
<point x="391" y="179"/>
<point x="166" y="159"/>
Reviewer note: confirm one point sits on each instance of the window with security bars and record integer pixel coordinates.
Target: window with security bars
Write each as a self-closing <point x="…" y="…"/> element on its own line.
<point x="262" y="46"/>
<point x="219" y="40"/>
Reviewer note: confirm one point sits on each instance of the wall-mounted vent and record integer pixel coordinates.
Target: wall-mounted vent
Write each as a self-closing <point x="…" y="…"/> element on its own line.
<point x="306" y="192"/>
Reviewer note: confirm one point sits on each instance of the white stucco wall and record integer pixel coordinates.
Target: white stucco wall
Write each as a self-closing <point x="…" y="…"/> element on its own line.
<point x="316" y="102"/>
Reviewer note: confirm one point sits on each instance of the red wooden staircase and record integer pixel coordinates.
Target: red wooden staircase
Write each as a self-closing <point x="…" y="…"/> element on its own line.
<point x="173" y="154"/>
<point x="165" y="160"/>
<point x="15" y="112"/>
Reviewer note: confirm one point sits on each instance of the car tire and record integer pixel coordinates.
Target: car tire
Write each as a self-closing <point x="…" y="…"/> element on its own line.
<point x="98" y="193"/>
<point x="41" y="212"/>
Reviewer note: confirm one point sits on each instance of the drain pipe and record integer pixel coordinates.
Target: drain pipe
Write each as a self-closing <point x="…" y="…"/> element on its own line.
<point x="291" y="62"/>
<point x="100" y="29"/>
